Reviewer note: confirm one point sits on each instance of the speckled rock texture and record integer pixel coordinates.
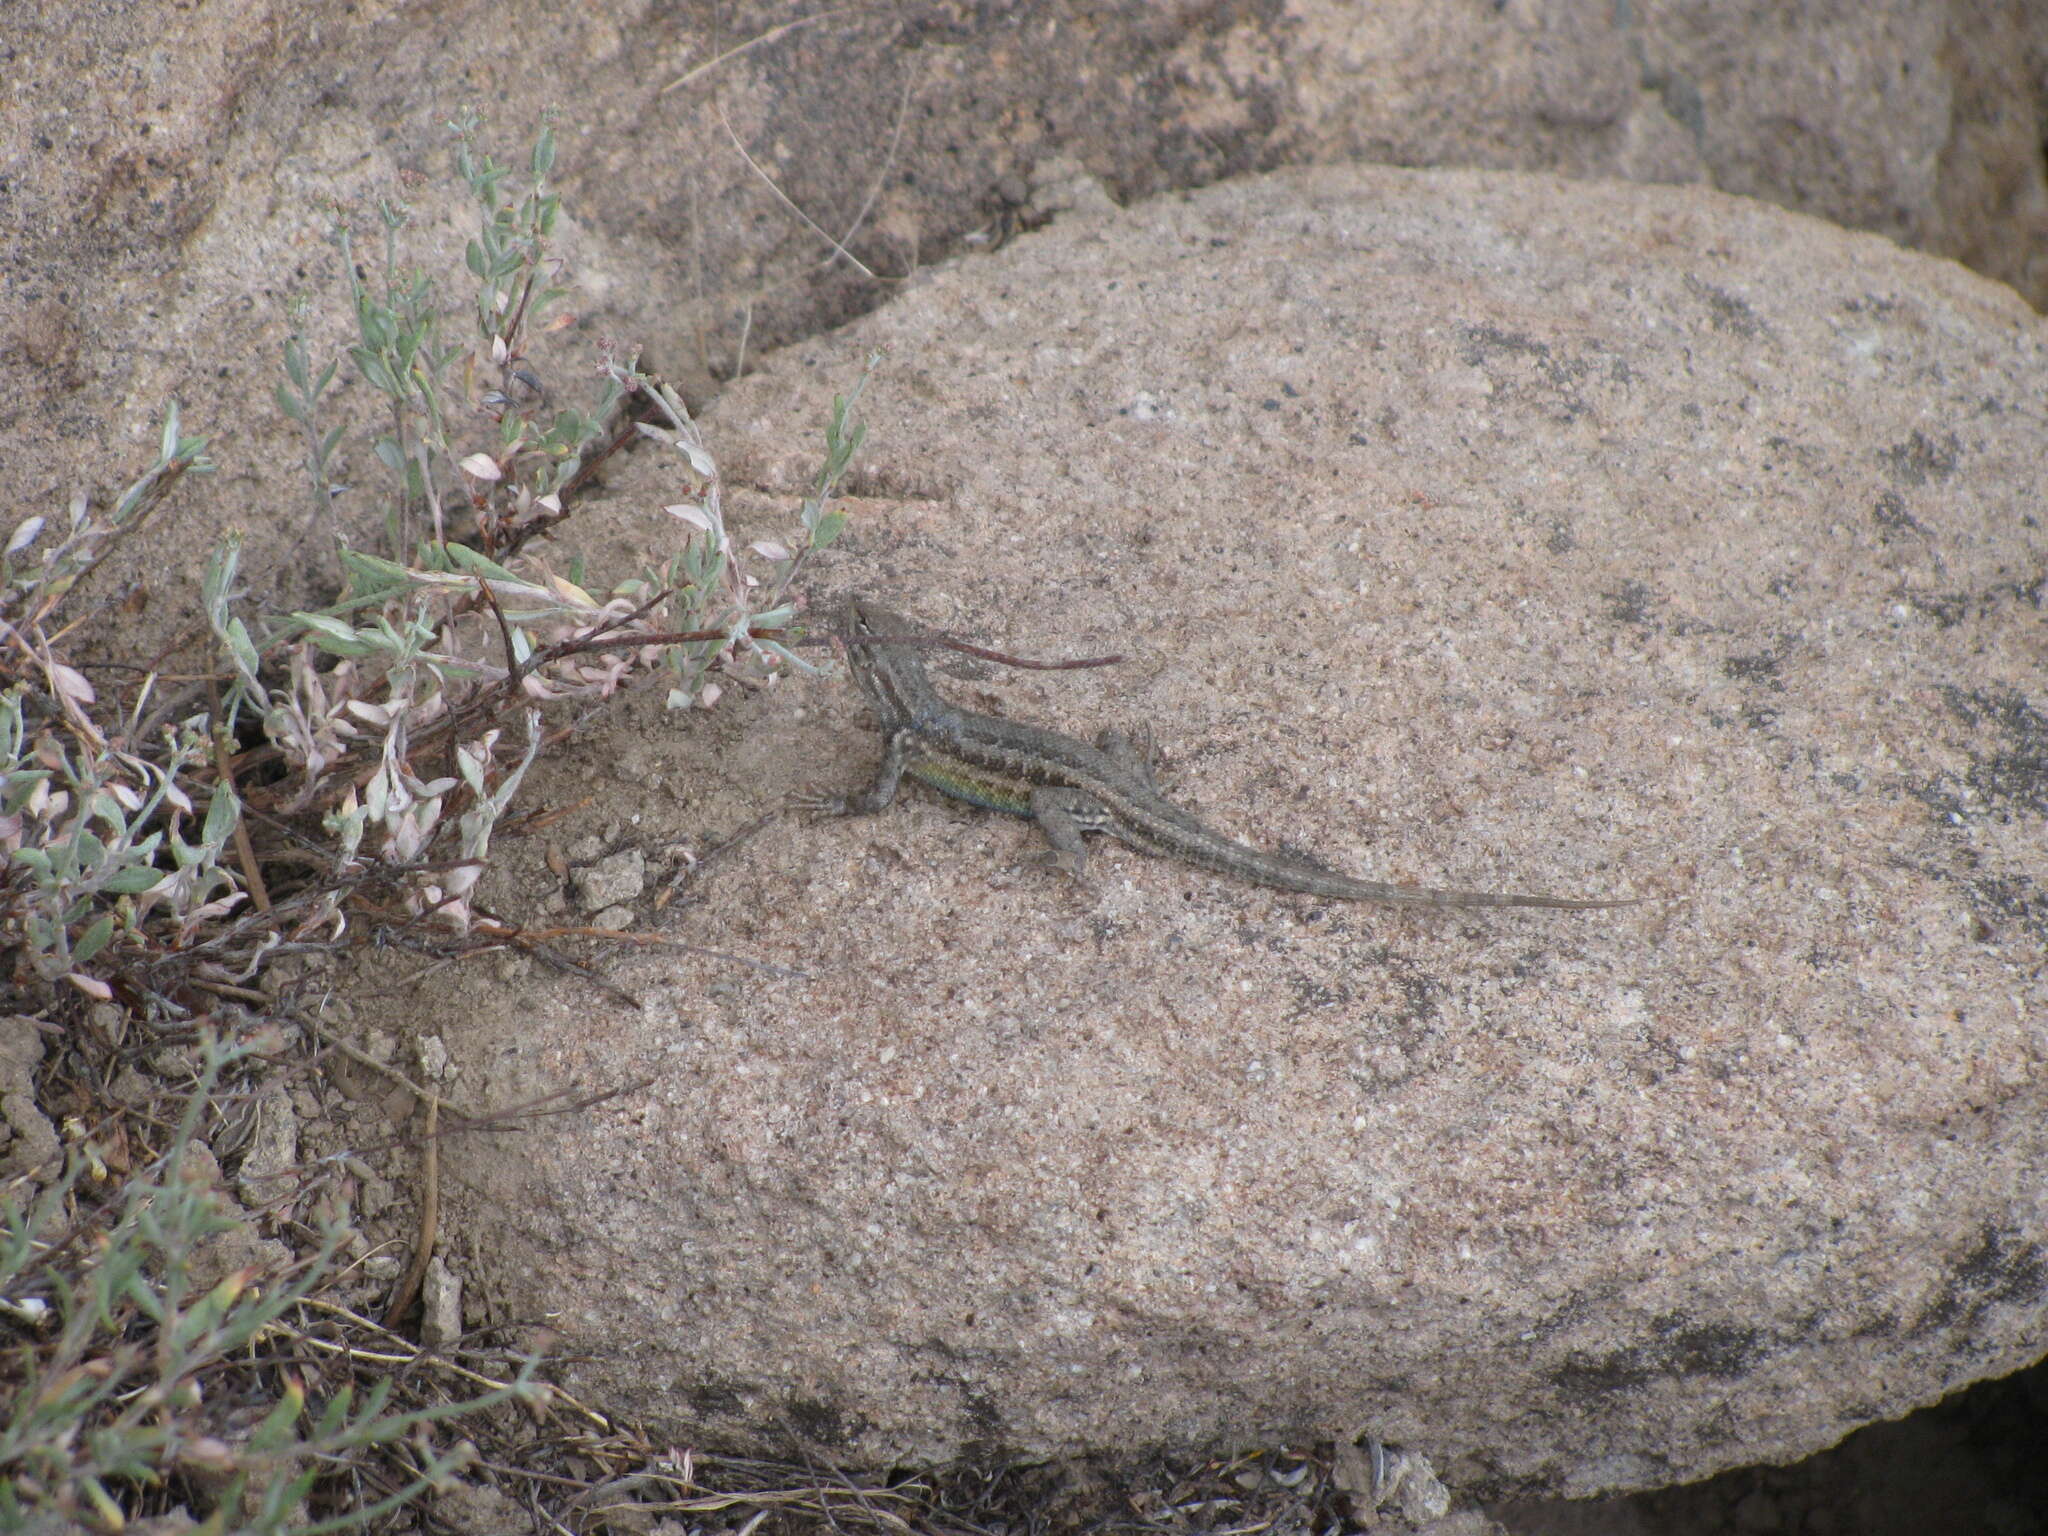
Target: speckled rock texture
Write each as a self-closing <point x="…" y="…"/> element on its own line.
<point x="1461" y="528"/>
<point x="169" y="172"/>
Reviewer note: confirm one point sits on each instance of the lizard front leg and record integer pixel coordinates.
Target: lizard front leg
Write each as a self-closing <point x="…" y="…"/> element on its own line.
<point x="879" y="796"/>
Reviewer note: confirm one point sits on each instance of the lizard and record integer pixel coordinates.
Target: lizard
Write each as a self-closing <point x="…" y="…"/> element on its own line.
<point x="1070" y="787"/>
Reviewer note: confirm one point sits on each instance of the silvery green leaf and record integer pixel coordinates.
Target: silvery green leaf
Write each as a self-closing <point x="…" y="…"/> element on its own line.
<point x="25" y="534"/>
<point x="93" y="940"/>
<point x="221" y="816"/>
<point x="242" y="648"/>
<point x="482" y="565"/>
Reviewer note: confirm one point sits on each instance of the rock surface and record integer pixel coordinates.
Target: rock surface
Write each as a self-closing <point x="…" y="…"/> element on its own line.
<point x="1460" y="528"/>
<point x="169" y="171"/>
<point x="29" y="1148"/>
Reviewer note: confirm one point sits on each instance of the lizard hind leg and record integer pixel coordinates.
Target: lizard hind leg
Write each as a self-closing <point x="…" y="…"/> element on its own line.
<point x="1063" y="814"/>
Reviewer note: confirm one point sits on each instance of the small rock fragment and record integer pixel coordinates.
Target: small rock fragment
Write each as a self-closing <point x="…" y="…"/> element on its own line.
<point x="612" y="881"/>
<point x="440" y="1305"/>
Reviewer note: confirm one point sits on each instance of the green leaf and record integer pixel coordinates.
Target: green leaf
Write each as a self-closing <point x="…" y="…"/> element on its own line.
<point x="478" y="564"/>
<point x="20" y="786"/>
<point x="372" y="368"/>
<point x="132" y="881"/>
<point x="101" y="805"/>
<point x="473" y="258"/>
<point x="222" y="815"/>
<point x="243" y="649"/>
<point x="332" y="628"/>
<point x="220" y="572"/>
<point x="372" y="575"/>
<point x="335" y="637"/>
<point x="276" y="1428"/>
<point x="544" y="152"/>
<point x="93" y="940"/>
<point x="103" y="1503"/>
